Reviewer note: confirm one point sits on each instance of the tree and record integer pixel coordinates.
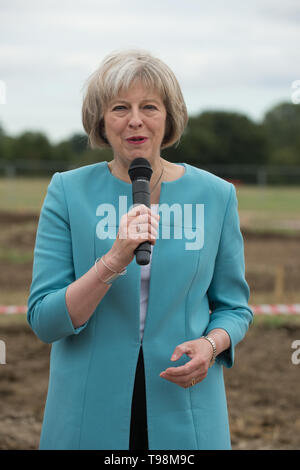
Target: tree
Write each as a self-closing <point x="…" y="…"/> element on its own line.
<point x="6" y="146"/>
<point x="2" y="145"/>
<point x="79" y="143"/>
<point x="217" y="137"/>
<point x="31" y="146"/>
<point x="63" y="152"/>
<point x="282" y="124"/>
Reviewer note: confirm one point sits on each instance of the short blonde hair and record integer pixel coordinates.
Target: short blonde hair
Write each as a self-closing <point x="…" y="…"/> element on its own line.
<point x="118" y="71"/>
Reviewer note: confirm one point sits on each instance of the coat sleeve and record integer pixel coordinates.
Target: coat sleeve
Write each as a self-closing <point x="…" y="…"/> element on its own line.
<point x="228" y="293"/>
<point x="53" y="269"/>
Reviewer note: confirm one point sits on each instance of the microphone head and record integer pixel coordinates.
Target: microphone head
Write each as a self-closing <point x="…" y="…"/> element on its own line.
<point x="140" y="168"/>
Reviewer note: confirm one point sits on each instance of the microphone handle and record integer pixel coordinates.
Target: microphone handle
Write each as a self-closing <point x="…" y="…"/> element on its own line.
<point x="141" y="195"/>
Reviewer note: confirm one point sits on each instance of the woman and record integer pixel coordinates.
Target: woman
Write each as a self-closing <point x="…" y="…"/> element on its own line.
<point x="137" y="352"/>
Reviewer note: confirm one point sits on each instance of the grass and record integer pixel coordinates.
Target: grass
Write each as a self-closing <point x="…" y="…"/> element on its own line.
<point x="271" y="199"/>
<point x="27" y="194"/>
<point x="23" y="194"/>
<point x="270" y="209"/>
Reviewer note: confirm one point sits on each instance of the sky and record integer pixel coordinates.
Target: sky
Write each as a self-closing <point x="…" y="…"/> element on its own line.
<point x="240" y="56"/>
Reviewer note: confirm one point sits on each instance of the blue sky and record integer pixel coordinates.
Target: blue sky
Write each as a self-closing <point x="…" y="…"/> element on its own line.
<point x="234" y="55"/>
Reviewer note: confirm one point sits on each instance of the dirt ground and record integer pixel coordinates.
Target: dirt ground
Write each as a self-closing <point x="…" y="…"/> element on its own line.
<point x="262" y="387"/>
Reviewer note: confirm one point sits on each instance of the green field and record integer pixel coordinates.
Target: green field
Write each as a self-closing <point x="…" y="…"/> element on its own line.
<point x="22" y="194"/>
<point x="270" y="199"/>
<point x="27" y="194"/>
<point x="270" y="209"/>
<point x="274" y="209"/>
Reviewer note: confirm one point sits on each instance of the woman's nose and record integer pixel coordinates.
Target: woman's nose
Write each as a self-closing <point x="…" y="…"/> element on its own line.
<point x="135" y="120"/>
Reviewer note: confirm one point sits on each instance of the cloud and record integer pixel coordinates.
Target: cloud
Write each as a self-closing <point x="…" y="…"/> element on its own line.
<point x="218" y="50"/>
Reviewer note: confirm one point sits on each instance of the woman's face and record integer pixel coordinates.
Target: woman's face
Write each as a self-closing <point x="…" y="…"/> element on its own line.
<point x="135" y="122"/>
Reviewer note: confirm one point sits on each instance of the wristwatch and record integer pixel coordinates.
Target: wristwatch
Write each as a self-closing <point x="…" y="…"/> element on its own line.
<point x="212" y="342"/>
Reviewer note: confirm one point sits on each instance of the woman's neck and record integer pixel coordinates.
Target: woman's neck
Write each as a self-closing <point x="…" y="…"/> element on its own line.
<point x="119" y="170"/>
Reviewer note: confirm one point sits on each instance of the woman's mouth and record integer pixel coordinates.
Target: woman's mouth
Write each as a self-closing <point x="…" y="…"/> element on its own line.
<point x="137" y="140"/>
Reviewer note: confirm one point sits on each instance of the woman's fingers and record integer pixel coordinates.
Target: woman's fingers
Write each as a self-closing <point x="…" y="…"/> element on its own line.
<point x="139" y="225"/>
<point x="145" y="221"/>
<point x="141" y="209"/>
<point x="184" y="374"/>
<point x="143" y="226"/>
<point x="195" y="369"/>
<point x="191" y="367"/>
<point x="184" y="381"/>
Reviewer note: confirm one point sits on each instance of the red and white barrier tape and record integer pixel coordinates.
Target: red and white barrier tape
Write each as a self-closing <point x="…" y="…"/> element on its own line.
<point x="262" y="309"/>
<point x="11" y="309"/>
<point x="276" y="309"/>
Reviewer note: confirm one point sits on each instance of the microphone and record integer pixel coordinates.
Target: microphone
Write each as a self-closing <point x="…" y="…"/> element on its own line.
<point x="140" y="173"/>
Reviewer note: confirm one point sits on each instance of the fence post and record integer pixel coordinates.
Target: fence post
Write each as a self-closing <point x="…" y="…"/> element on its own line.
<point x="261" y="176"/>
<point x="10" y="171"/>
<point x="279" y="282"/>
<point x="2" y="352"/>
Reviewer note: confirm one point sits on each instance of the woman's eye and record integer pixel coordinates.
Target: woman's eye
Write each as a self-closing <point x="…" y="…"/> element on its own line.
<point x="119" y="108"/>
<point x="150" y="106"/>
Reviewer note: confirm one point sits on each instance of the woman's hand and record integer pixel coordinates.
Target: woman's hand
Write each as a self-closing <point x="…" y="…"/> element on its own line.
<point x="137" y="226"/>
<point x="200" y="351"/>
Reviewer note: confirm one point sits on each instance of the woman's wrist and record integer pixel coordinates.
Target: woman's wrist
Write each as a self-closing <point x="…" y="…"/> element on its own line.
<point x="213" y="348"/>
<point x="102" y="271"/>
<point x="112" y="261"/>
<point x="113" y="274"/>
<point x="221" y="339"/>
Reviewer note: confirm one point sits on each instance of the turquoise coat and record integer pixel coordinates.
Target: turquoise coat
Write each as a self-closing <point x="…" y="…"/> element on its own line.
<point x="192" y="291"/>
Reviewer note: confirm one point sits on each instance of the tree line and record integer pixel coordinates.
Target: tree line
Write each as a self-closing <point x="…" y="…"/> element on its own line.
<point x="212" y="137"/>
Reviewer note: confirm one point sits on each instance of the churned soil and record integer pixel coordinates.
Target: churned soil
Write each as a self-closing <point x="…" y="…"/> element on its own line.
<point x="262" y="388"/>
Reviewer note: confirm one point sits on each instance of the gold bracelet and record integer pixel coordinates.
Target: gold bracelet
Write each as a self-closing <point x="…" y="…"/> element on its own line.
<point x="213" y="344"/>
